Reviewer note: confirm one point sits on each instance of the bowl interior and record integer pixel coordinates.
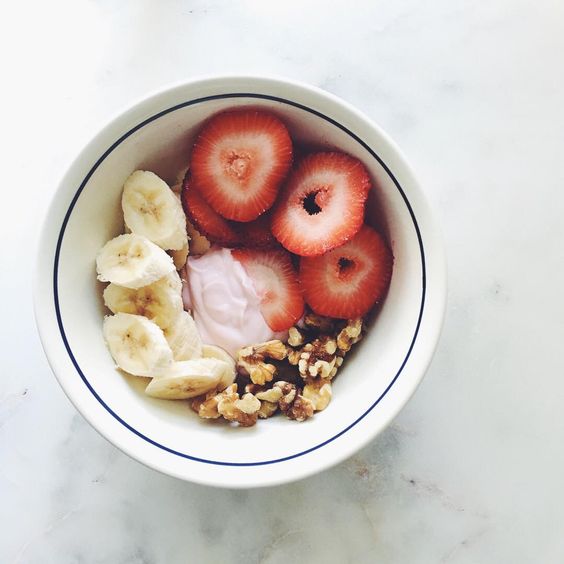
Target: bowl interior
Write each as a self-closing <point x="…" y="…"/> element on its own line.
<point x="162" y="144"/>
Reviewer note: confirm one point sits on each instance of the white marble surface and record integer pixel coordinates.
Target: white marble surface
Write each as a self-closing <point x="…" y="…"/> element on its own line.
<point x="472" y="471"/>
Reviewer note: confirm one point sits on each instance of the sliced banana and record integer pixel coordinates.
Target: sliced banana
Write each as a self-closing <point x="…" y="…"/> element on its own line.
<point x="175" y="282"/>
<point x="183" y="337"/>
<point x="228" y="377"/>
<point x="187" y="379"/>
<point x="180" y="256"/>
<point x="151" y="208"/>
<point x="132" y="261"/>
<point x="199" y="245"/>
<point x="160" y="301"/>
<point x="136" y="344"/>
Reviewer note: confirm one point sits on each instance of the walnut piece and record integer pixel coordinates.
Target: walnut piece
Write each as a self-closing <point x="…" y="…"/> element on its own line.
<point x="272" y="349"/>
<point x="206" y="406"/>
<point x="296" y="337"/>
<point x="180" y="256"/>
<point x="301" y="409"/>
<point x="199" y="245"/>
<point x="318" y="391"/>
<point x="267" y="409"/>
<point x="272" y="395"/>
<point x="324" y="325"/>
<point x="248" y="404"/>
<point x="318" y="358"/>
<point x="349" y="335"/>
<point x="288" y="394"/>
<point x="229" y="407"/>
<point x="292" y="403"/>
<point x="251" y="360"/>
<point x="294" y="356"/>
<point x="268" y="400"/>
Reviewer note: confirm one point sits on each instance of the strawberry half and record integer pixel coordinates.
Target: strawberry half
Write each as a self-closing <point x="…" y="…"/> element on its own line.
<point x="322" y="205"/>
<point x="238" y="161"/>
<point x="347" y="281"/>
<point x="207" y="221"/>
<point x="276" y="283"/>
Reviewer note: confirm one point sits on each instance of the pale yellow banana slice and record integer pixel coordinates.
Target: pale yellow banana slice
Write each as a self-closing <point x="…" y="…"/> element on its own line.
<point x="160" y="301"/>
<point x="136" y="344"/>
<point x="132" y="261"/>
<point x="228" y="377"/>
<point x="151" y="208"/>
<point x="184" y="338"/>
<point x="186" y="379"/>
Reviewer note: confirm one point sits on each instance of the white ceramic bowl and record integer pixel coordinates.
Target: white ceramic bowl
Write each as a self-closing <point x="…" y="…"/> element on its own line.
<point x="376" y="380"/>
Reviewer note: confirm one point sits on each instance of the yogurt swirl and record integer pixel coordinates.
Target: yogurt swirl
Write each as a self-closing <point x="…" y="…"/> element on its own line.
<point x="225" y="304"/>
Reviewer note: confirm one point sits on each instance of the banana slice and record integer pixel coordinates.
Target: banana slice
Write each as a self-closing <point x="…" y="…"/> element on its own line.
<point x="160" y="301"/>
<point x="136" y="344"/>
<point x="183" y="337"/>
<point x="187" y="379"/>
<point x="151" y="208"/>
<point x="132" y="261"/>
<point x="228" y="377"/>
<point x="175" y="282"/>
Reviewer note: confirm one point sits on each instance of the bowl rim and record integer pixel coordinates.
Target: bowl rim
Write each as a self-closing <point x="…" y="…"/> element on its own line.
<point x="220" y="81"/>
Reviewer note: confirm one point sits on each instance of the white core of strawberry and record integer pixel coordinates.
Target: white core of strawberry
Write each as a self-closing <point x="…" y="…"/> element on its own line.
<point x="242" y="157"/>
<point x="346" y="279"/>
<point x="332" y="205"/>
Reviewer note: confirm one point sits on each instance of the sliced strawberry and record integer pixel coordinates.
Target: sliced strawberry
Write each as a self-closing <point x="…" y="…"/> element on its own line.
<point x="347" y="281"/>
<point x="256" y="234"/>
<point x="238" y="161"/>
<point x="276" y="283"/>
<point x="322" y="205"/>
<point x="207" y="221"/>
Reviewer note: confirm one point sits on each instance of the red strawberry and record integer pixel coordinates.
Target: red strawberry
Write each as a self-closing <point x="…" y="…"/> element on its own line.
<point x="276" y="283"/>
<point x="207" y="221"/>
<point x="347" y="281"/>
<point x="238" y="161"/>
<point x="256" y="234"/>
<point x="322" y="205"/>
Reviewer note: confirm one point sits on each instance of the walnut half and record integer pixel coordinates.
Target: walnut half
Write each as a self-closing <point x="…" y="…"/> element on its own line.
<point x="292" y="403"/>
<point x="228" y="405"/>
<point x="349" y="335"/>
<point x="318" y="391"/>
<point x="244" y="411"/>
<point x="318" y="358"/>
<point x="251" y="360"/>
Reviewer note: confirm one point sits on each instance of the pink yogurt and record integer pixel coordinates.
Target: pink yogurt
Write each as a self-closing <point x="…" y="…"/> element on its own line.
<point x="224" y="303"/>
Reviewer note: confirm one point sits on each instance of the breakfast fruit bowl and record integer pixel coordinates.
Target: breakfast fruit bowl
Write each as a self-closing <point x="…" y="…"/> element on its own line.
<point x="242" y="249"/>
<point x="239" y="169"/>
